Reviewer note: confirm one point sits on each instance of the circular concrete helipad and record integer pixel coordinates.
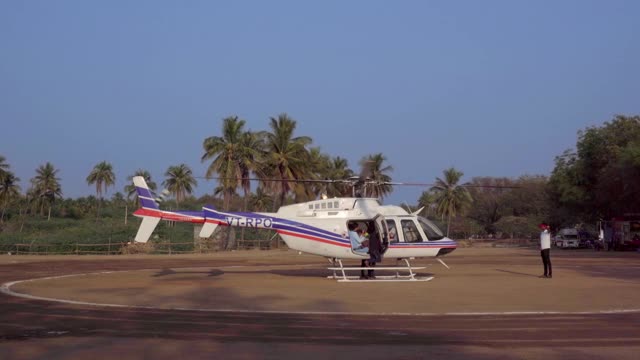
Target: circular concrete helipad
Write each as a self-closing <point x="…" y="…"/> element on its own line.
<point x="508" y="284"/>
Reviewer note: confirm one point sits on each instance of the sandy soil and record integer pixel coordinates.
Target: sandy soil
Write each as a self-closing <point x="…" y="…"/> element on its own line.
<point x="480" y="280"/>
<point x="487" y="280"/>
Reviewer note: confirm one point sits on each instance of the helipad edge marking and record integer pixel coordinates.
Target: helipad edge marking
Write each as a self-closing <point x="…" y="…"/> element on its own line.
<point x="6" y="289"/>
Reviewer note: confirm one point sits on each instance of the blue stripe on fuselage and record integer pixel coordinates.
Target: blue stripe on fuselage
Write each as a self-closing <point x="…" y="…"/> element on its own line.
<point x="276" y="224"/>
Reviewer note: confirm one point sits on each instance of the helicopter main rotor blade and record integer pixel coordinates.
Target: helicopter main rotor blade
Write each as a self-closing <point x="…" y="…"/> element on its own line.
<point x="357" y="181"/>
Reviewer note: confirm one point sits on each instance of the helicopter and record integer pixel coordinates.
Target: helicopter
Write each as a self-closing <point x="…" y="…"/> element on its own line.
<point x="320" y="227"/>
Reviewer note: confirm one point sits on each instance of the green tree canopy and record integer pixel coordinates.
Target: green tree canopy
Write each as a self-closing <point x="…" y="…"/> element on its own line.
<point x="9" y="190"/>
<point x="451" y="198"/>
<point x="286" y="157"/>
<point x="180" y="181"/>
<point x="130" y="189"/>
<point x="102" y="176"/>
<point x="377" y="171"/>
<point x="601" y="178"/>
<point x="45" y="186"/>
<point x="229" y="153"/>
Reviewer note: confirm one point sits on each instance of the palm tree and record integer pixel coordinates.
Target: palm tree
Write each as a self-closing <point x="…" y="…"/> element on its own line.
<point x="450" y="197"/>
<point x="179" y="182"/>
<point x="9" y="189"/>
<point x="339" y="170"/>
<point x="428" y="201"/>
<point x="261" y="201"/>
<point x="102" y="175"/>
<point x="46" y="186"/>
<point x="249" y="158"/>
<point x="376" y="172"/>
<point x="4" y="167"/>
<point x="286" y="157"/>
<point x="233" y="154"/>
<point x="130" y="189"/>
<point x="317" y="167"/>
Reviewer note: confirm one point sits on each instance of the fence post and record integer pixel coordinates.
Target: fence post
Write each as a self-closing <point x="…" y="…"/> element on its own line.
<point x="77" y="248"/>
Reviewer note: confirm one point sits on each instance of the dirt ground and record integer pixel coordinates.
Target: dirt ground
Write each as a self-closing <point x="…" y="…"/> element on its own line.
<point x="279" y="304"/>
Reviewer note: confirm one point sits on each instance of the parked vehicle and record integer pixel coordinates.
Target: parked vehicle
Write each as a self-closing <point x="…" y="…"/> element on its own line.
<point x="567" y="238"/>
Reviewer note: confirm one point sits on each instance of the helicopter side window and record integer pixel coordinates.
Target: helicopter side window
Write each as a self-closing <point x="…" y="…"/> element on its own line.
<point x="410" y="231"/>
<point x="393" y="232"/>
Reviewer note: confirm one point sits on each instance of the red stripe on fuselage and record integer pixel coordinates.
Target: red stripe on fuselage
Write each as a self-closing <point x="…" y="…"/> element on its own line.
<point x="332" y="242"/>
<point x="165" y="215"/>
<point x="216" y="222"/>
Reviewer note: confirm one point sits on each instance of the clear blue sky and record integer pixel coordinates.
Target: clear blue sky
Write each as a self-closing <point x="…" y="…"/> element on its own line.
<point x="493" y="88"/>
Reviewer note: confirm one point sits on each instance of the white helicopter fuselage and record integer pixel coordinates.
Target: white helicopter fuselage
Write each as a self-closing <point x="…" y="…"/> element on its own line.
<point x="318" y="227"/>
<point x="405" y="232"/>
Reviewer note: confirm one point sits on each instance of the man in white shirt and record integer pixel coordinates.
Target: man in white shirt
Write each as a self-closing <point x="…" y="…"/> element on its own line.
<point x="545" y="246"/>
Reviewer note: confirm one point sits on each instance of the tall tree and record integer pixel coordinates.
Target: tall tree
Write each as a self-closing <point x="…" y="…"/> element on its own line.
<point x="317" y="167"/>
<point x="428" y="201"/>
<point x="489" y="206"/>
<point x="102" y="176"/>
<point x="601" y="178"/>
<point x="261" y="200"/>
<point x="286" y="156"/>
<point x="45" y="186"/>
<point x="4" y="167"/>
<point x="180" y="181"/>
<point x="338" y="169"/>
<point x="227" y="151"/>
<point x="376" y="171"/>
<point x="9" y="190"/>
<point x="451" y="198"/>
<point x="249" y="160"/>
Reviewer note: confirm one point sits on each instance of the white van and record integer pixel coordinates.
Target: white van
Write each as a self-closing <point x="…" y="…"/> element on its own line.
<point x="567" y="238"/>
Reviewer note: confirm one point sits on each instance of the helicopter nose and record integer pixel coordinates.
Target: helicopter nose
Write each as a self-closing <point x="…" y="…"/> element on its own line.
<point x="448" y="246"/>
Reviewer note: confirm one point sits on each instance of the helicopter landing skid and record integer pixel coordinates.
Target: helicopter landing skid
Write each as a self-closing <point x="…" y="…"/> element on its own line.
<point x="379" y="278"/>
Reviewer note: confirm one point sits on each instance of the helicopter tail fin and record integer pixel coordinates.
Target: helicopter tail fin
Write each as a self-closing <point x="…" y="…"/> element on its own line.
<point x="149" y="211"/>
<point x="144" y="194"/>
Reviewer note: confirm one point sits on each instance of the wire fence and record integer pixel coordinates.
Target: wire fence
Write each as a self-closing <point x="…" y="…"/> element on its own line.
<point x="153" y="247"/>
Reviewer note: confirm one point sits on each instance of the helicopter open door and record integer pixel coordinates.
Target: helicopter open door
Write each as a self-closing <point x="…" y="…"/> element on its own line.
<point x="383" y="230"/>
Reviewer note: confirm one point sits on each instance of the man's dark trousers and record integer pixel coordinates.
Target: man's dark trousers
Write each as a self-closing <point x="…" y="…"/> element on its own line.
<point x="546" y="261"/>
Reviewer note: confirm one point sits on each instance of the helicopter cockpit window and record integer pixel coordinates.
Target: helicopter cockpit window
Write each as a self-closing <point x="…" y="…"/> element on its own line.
<point x="336" y="204"/>
<point x="324" y="205"/>
<point x="310" y="206"/>
<point x="317" y="206"/>
<point x="410" y="231"/>
<point x="430" y="229"/>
